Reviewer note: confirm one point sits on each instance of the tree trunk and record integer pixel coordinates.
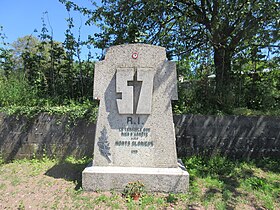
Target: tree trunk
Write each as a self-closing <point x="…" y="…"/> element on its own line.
<point x="222" y="61"/>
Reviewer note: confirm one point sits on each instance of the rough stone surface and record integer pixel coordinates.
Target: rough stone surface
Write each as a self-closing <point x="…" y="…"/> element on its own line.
<point x="174" y="180"/>
<point x="135" y="136"/>
<point x="238" y="137"/>
<point x="234" y="136"/>
<point x="123" y="136"/>
<point x="53" y="136"/>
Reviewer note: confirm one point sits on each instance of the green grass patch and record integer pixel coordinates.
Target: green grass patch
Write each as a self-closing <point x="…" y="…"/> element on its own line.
<point x="1" y="160"/>
<point x="216" y="183"/>
<point x="229" y="183"/>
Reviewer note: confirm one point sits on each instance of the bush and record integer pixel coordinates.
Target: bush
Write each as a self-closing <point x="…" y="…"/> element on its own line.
<point x="15" y="90"/>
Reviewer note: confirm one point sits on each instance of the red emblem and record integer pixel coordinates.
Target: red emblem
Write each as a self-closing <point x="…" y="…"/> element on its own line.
<point x="135" y="55"/>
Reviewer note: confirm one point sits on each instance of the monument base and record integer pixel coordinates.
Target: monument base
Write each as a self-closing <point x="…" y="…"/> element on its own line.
<point x="175" y="180"/>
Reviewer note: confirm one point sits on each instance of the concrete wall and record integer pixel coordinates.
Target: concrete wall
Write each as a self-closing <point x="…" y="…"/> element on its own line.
<point x="235" y="136"/>
<point x="44" y="134"/>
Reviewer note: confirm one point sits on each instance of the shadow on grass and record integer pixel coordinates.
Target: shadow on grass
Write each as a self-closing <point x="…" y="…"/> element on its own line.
<point x="230" y="185"/>
<point x="227" y="173"/>
<point x="228" y="190"/>
<point x="224" y="177"/>
<point x="268" y="164"/>
<point x="68" y="171"/>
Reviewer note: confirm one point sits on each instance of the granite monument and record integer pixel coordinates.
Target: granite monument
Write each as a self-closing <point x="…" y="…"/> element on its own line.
<point x="135" y="137"/>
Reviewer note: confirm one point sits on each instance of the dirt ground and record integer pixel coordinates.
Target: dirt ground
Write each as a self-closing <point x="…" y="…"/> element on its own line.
<point x="53" y="185"/>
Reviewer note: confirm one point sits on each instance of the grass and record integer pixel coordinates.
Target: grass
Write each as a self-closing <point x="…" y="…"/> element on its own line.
<point x="230" y="184"/>
<point x="215" y="183"/>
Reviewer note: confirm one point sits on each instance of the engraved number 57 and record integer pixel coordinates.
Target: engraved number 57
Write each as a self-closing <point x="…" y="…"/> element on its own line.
<point x="125" y="104"/>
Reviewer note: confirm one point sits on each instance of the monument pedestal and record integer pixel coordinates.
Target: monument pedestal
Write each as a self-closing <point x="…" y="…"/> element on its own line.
<point x="174" y="180"/>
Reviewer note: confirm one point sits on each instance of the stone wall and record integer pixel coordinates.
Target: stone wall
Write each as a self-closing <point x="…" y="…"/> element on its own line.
<point x="45" y="135"/>
<point x="234" y="136"/>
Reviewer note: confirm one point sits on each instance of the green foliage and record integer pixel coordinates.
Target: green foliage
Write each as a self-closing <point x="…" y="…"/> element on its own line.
<point x="253" y="93"/>
<point x="53" y="69"/>
<point x="6" y="62"/>
<point x="251" y="112"/>
<point x="54" y="73"/>
<point x="81" y="161"/>
<point x="195" y="90"/>
<point x="133" y="189"/>
<point x="35" y="76"/>
<point x="226" y="181"/>
<point x="205" y="166"/>
<point x="171" y="198"/>
<point x="257" y="87"/>
<point x="257" y="183"/>
<point x="223" y="68"/>
<point x="15" y="90"/>
<point x="21" y="205"/>
<point x="213" y="35"/>
<point x="74" y="110"/>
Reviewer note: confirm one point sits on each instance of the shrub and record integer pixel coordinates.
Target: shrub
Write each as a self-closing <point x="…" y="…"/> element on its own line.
<point x="15" y="90"/>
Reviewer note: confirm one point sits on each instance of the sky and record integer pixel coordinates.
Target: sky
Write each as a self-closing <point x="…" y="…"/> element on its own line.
<point x="22" y="17"/>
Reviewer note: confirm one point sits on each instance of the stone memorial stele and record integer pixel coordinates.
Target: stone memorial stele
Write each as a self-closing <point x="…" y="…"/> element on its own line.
<point x="135" y="137"/>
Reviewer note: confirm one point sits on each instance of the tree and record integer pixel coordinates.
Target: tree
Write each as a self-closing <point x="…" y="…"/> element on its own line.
<point x="6" y="62"/>
<point x="214" y="29"/>
<point x="24" y="44"/>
